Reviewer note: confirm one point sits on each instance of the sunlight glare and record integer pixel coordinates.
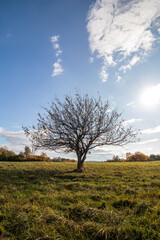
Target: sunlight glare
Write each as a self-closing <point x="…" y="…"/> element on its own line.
<point x="150" y="97"/>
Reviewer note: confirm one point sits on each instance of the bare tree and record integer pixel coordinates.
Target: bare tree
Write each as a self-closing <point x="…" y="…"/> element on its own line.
<point x="79" y="124"/>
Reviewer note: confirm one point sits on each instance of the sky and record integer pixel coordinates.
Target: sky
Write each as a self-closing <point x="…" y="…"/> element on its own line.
<point x="49" y="48"/>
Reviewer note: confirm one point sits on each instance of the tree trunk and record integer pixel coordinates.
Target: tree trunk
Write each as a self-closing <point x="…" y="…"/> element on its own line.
<point x="80" y="160"/>
<point x="79" y="164"/>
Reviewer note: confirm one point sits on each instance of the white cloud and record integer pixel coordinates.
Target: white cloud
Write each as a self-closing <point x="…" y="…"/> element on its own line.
<point x="58" y="70"/>
<point x="15" y="148"/>
<point x="120" y="31"/>
<point x="118" y="79"/>
<point x="148" y="141"/>
<point x="151" y="130"/>
<point x="56" y="46"/>
<point x="109" y="151"/>
<point x="57" y="67"/>
<point x="58" y="53"/>
<point x="133" y="120"/>
<point x="14" y="138"/>
<point x="130" y="103"/>
<point x="54" y="38"/>
<point x="148" y="146"/>
<point x="132" y="62"/>
<point x="16" y="141"/>
<point x="104" y="74"/>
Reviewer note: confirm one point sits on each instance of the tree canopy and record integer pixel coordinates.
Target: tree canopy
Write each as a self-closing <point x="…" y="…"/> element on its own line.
<point x="79" y="124"/>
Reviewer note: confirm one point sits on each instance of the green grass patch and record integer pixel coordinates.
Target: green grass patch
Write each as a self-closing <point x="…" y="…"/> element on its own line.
<point x="109" y="201"/>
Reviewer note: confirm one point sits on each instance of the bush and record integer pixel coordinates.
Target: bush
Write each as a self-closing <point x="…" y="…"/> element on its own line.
<point x="116" y="159"/>
<point x="138" y="157"/>
<point x="5" y="154"/>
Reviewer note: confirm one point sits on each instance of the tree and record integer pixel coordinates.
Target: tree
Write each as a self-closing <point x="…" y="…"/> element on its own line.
<point x="27" y="151"/>
<point x="79" y="124"/>
<point x="138" y="157"/>
<point x="43" y="155"/>
<point x="116" y="159"/>
<point x="154" y="157"/>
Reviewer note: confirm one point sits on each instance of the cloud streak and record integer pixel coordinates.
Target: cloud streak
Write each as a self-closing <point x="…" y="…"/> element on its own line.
<point x="57" y="67"/>
<point x="133" y="120"/>
<point x="16" y="138"/>
<point x="121" y="32"/>
<point x="147" y="141"/>
<point x="151" y="130"/>
<point x="130" y="104"/>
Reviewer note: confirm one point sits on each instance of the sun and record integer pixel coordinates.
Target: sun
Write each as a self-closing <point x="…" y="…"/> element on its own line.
<point x="150" y="97"/>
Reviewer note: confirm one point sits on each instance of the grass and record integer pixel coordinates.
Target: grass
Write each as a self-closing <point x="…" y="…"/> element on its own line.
<point x="108" y="201"/>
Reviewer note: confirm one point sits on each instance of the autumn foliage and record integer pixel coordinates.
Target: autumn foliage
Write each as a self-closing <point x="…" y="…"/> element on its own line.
<point x="7" y="155"/>
<point x="138" y="157"/>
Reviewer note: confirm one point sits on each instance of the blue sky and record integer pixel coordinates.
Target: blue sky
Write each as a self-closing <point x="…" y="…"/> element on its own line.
<point x="50" y="48"/>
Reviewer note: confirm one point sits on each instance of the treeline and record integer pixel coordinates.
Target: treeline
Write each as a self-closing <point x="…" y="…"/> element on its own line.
<point x="7" y="155"/>
<point x="136" y="157"/>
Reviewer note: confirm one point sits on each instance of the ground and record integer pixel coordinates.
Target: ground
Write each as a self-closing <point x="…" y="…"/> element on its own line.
<point x="108" y="201"/>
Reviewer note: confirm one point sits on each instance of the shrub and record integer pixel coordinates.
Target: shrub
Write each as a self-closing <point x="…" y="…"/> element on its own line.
<point x="138" y="157"/>
<point x="5" y="154"/>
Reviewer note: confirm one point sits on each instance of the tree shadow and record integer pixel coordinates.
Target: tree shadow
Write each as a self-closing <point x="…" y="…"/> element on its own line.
<point x="20" y="177"/>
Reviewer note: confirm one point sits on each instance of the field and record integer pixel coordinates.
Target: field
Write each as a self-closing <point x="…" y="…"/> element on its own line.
<point x="108" y="201"/>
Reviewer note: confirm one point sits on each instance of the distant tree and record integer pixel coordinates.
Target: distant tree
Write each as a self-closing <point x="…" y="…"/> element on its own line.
<point x="116" y="159"/>
<point x="138" y="157"/>
<point x="158" y="157"/>
<point x="43" y="155"/>
<point x="27" y="151"/>
<point x="128" y="154"/>
<point x="21" y="154"/>
<point x="79" y="124"/>
<point x="154" y="157"/>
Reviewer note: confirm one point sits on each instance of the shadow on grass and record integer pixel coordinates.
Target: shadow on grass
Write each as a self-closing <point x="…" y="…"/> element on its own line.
<point x="20" y="176"/>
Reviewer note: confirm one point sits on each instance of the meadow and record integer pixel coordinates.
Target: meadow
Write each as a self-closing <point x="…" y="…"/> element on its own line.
<point x="46" y="200"/>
